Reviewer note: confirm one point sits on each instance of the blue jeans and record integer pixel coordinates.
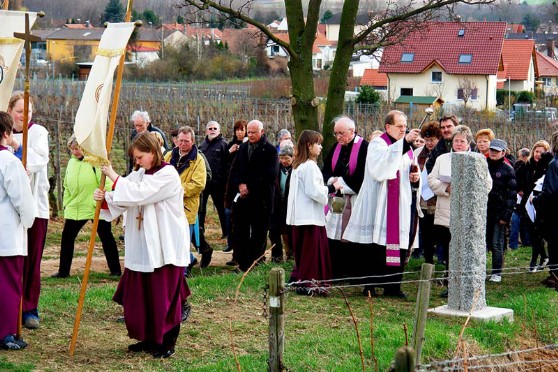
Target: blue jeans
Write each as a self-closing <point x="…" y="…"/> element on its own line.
<point x="495" y="240"/>
<point x="518" y="229"/>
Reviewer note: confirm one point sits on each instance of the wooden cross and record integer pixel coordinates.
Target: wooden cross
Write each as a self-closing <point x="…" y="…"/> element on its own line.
<point x="28" y="39"/>
<point x="139" y="218"/>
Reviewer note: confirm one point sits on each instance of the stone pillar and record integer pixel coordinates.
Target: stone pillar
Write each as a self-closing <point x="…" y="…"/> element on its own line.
<point x="470" y="185"/>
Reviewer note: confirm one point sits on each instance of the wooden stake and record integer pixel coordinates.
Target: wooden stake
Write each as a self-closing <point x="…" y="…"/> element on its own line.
<point x="276" y="319"/>
<point x="110" y="136"/>
<point x="421" y="310"/>
<point x="6" y="4"/>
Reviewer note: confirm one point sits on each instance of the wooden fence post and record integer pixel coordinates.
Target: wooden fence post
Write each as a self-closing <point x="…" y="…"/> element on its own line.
<point x="423" y="298"/>
<point x="276" y="320"/>
<point x="404" y="360"/>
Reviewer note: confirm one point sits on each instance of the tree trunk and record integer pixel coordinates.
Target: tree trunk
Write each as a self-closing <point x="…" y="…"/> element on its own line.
<point x="338" y="77"/>
<point x="302" y="34"/>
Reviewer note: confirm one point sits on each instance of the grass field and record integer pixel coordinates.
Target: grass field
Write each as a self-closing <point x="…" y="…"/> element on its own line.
<point x="319" y="332"/>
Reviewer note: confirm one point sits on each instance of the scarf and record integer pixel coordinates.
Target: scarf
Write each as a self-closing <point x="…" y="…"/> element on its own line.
<point x="392" y="224"/>
<point x="175" y="158"/>
<point x="353" y="157"/>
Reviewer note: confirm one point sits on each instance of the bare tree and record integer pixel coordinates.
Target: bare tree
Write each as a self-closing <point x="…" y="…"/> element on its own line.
<point x="385" y="26"/>
<point x="466" y="90"/>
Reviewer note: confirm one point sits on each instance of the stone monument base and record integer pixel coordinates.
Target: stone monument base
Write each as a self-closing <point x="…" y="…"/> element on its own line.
<point x="487" y="314"/>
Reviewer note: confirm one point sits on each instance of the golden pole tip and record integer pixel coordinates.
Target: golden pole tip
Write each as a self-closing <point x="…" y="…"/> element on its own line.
<point x="41" y="14"/>
<point x="138" y="23"/>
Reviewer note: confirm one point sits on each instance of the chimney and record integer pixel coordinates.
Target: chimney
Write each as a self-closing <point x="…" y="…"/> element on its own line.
<point x="88" y="24"/>
<point x="550" y="43"/>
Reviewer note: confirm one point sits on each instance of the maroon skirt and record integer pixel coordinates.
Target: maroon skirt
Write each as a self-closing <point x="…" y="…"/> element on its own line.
<point x="11" y="273"/>
<point x="311" y="252"/>
<point x="152" y="301"/>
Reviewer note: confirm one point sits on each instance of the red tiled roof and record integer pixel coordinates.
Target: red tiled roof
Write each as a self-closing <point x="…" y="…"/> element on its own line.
<point x="439" y="42"/>
<point x="374" y="78"/>
<point x="516" y="55"/>
<point x="319" y="41"/>
<point x="546" y="66"/>
<point x="514" y="28"/>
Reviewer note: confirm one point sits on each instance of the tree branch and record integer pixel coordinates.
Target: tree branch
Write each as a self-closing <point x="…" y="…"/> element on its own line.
<point x="203" y="5"/>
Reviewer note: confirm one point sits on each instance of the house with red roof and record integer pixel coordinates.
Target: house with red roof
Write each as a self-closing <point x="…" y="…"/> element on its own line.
<point x="372" y="77"/>
<point x="547" y="73"/>
<point x="448" y="61"/>
<point x="518" y="60"/>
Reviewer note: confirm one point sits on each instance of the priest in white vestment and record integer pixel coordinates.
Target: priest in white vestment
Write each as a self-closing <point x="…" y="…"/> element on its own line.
<point x="381" y="216"/>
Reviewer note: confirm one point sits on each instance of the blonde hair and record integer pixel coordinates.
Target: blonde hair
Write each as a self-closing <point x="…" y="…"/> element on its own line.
<point x="159" y="138"/>
<point x="541" y="143"/>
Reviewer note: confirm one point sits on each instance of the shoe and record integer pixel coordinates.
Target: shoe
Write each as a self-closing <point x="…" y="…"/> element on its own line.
<point x="163" y="353"/>
<point x="303" y="291"/>
<point x="120" y="319"/>
<point x="533" y="269"/>
<point x="227" y="250"/>
<point x="31" y="322"/>
<point x="121" y="238"/>
<point x="10" y="342"/>
<point x="543" y="264"/>
<point x="206" y="259"/>
<point x="232" y="263"/>
<point x="146" y="346"/>
<point x="59" y="276"/>
<point x="397" y="294"/>
<point x="495" y="278"/>
<point x="116" y="274"/>
<point x="191" y="265"/>
<point x="186" y="310"/>
<point x="444" y="293"/>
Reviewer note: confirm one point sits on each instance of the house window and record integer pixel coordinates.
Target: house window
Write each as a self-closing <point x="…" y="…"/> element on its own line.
<point x="461" y="32"/>
<point x="274" y="50"/>
<point x="547" y="81"/>
<point x="406" y="91"/>
<point x="436" y="76"/>
<point x="407" y="57"/>
<point x="465" y="58"/>
<point x="472" y="94"/>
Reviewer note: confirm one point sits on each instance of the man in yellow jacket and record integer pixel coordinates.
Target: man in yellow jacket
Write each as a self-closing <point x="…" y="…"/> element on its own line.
<point x="190" y="165"/>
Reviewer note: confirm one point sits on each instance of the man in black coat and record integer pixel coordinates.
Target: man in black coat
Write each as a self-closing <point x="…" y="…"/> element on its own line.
<point x="501" y="202"/>
<point x="214" y="147"/>
<point x="252" y="178"/>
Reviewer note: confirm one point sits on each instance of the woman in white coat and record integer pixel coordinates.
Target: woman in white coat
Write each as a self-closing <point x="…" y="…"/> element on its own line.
<point x="305" y="213"/>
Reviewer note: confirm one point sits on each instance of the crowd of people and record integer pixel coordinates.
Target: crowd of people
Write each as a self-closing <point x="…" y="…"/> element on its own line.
<point x="373" y="204"/>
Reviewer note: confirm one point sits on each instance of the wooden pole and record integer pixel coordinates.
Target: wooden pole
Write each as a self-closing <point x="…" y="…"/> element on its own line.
<point x="110" y="136"/>
<point x="421" y="310"/>
<point x="276" y="319"/>
<point x="6" y="4"/>
<point x="404" y="360"/>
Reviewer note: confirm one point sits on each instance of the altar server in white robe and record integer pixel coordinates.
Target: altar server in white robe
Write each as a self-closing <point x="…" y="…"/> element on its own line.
<point x="17" y="208"/>
<point x="381" y="217"/>
<point x="152" y="288"/>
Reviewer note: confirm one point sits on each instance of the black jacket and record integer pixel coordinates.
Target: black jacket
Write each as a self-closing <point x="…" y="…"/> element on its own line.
<point x="217" y="156"/>
<point x="442" y="147"/>
<point x="258" y="172"/>
<point x="546" y="203"/>
<point x="502" y="197"/>
<point x="354" y="181"/>
<point x="528" y="174"/>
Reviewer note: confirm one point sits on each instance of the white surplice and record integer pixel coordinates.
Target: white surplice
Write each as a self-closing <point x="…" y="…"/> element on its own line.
<point x="17" y="206"/>
<point x="369" y="214"/>
<point x="162" y="237"/>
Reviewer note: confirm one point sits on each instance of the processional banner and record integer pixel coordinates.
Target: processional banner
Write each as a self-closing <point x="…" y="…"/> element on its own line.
<point x="10" y="50"/>
<point x="91" y="120"/>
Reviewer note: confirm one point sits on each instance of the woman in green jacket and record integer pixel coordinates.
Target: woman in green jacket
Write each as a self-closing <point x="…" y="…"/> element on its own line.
<point x="80" y="180"/>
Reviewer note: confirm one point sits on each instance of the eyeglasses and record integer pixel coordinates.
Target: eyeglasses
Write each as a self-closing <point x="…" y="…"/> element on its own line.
<point x="211" y="128"/>
<point x="340" y="134"/>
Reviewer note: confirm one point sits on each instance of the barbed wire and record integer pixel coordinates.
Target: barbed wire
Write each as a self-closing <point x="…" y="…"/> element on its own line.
<point x="455" y="363"/>
<point x="325" y="283"/>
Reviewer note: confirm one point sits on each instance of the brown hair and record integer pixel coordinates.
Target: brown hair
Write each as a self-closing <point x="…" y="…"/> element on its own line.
<point x="6" y="123"/>
<point x="239" y="124"/>
<point x="146" y="142"/>
<point x="431" y="129"/>
<point x="453" y="119"/>
<point x="16" y="96"/>
<point x="307" y="138"/>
